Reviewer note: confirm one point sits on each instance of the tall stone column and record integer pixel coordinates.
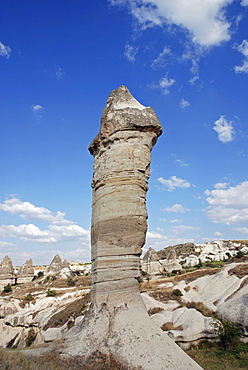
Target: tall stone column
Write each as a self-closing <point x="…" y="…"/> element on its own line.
<point x="117" y="321"/>
<point x="120" y="182"/>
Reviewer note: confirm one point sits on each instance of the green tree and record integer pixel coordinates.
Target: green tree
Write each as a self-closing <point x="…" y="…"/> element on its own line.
<point x="227" y="332"/>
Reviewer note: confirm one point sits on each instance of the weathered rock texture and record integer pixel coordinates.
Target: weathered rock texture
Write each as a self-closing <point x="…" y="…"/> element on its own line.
<point x="117" y="321"/>
<point x="25" y="273"/>
<point x="58" y="268"/>
<point x="7" y="273"/>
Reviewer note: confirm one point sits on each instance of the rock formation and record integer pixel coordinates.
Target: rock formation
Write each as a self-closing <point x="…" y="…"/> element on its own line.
<point x="25" y="273"/>
<point x="58" y="268"/>
<point x="7" y="273"/>
<point x="150" y="263"/>
<point x="171" y="262"/>
<point x="117" y="321"/>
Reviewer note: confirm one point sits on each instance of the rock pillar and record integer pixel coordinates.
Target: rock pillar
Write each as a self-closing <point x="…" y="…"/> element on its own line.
<point x="120" y="182"/>
<point x="117" y="321"/>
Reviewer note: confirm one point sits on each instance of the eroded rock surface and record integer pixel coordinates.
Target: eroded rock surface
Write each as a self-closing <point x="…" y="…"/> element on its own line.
<point x="7" y="273"/>
<point x="117" y="320"/>
<point x="25" y="272"/>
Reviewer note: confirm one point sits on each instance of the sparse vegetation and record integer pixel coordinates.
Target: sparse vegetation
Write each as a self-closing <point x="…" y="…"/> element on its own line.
<point x="177" y="292"/>
<point x="51" y="293"/>
<point x="7" y="288"/>
<point x="14" y="360"/>
<point x="154" y="310"/>
<point x="30" y="337"/>
<point x="28" y="298"/>
<point x="71" y="281"/>
<point x="227" y="333"/>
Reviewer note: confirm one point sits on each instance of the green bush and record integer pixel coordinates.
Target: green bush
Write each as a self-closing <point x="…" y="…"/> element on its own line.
<point x="177" y="292"/>
<point x="227" y="332"/>
<point x="7" y="288"/>
<point x="30" y="338"/>
<point x="40" y="274"/>
<point x="239" y="254"/>
<point x="51" y="293"/>
<point x="28" y="297"/>
<point x="70" y="281"/>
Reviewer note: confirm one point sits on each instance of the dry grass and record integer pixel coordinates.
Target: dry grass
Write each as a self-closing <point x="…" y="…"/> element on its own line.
<point x="169" y="326"/>
<point x="69" y="313"/>
<point x="211" y="358"/>
<point x="165" y="296"/>
<point x="14" y="360"/>
<point x="240" y="270"/>
<point x="154" y="310"/>
<point x="199" y="306"/>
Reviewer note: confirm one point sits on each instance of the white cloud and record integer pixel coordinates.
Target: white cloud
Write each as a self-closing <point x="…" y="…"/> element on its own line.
<point x="224" y="129"/>
<point x="218" y="234"/>
<point x="160" y="61"/>
<point x="181" y="163"/>
<point x="53" y="234"/>
<point x="36" y="107"/>
<point x="243" y="230"/>
<point x="204" y="21"/>
<point x="130" y="52"/>
<point x="159" y="241"/>
<point x="30" y="212"/>
<point x="184" y="103"/>
<point x="176" y="208"/>
<point x="243" y="49"/>
<point x="182" y="228"/>
<point x="244" y="2"/>
<point x="4" y="50"/>
<point x="165" y="83"/>
<point x="220" y="185"/>
<point x="174" y="182"/>
<point x="175" y="220"/>
<point x="228" y="206"/>
<point x="6" y="244"/>
<point x="59" y="73"/>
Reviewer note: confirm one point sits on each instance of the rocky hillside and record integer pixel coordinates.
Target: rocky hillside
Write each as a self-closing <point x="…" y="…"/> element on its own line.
<point x="184" y="305"/>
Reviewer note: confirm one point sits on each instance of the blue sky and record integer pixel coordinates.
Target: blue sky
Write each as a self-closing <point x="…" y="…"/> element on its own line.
<point x="59" y="60"/>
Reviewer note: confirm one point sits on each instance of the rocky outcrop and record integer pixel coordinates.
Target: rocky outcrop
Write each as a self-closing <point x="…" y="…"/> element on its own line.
<point x="117" y="320"/>
<point x="150" y="263"/>
<point x="58" y="268"/>
<point x="153" y="266"/>
<point x="7" y="273"/>
<point x="25" y="273"/>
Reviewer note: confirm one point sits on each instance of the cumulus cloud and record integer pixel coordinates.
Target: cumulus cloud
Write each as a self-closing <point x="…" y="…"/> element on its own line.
<point x="243" y="49"/>
<point x="184" y="103"/>
<point x="228" y="206"/>
<point x="30" y="212"/>
<point x="176" y="208"/>
<point x="36" y="107"/>
<point x="6" y="244"/>
<point x="174" y="182"/>
<point x="4" y="50"/>
<point x="224" y="129"/>
<point x="130" y="52"/>
<point x="204" y="22"/>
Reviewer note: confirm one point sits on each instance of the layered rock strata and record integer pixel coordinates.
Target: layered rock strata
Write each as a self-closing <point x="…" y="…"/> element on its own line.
<point x="7" y="273"/>
<point x="25" y="273"/>
<point x="117" y="321"/>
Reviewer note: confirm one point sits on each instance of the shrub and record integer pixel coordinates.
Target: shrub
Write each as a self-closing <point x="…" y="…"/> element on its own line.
<point x="7" y="288"/>
<point x="227" y="332"/>
<point x="40" y="274"/>
<point x="239" y="254"/>
<point x="51" y="293"/>
<point x="30" y="338"/>
<point x="28" y="297"/>
<point x="177" y="292"/>
<point x="70" y="281"/>
<point x="154" y="310"/>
